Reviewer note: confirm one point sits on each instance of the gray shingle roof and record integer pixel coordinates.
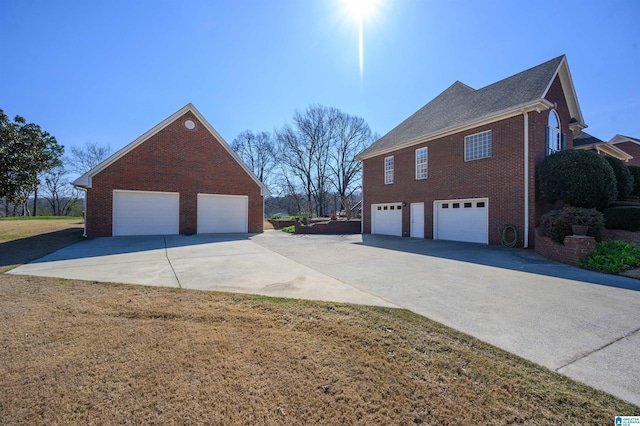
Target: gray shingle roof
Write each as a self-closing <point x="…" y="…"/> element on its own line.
<point x="460" y="104"/>
<point x="583" y="138"/>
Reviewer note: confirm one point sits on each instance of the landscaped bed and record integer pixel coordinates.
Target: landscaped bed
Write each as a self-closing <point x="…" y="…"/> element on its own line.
<point x="81" y="352"/>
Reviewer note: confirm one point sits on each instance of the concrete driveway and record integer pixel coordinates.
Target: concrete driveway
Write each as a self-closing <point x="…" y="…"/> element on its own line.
<point x="582" y="324"/>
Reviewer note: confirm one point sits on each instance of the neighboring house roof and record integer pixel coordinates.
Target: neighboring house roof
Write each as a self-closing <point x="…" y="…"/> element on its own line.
<point x="621" y="138"/>
<point x="461" y="107"/>
<point x="85" y="181"/>
<point x="583" y="140"/>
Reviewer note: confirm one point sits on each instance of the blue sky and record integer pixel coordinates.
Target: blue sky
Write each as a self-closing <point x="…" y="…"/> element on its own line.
<point x="107" y="71"/>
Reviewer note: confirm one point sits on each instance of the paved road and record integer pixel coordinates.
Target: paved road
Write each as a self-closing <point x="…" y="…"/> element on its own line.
<point x="581" y="324"/>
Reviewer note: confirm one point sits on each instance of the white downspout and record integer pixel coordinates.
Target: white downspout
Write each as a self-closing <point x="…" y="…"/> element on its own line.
<point x="362" y="205"/>
<point x="526" y="178"/>
<point x="84" y="215"/>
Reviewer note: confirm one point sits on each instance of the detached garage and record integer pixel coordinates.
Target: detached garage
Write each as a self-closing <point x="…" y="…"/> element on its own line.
<point x="180" y="177"/>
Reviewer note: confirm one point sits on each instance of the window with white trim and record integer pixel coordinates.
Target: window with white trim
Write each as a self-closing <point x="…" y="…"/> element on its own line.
<point x="554" y="135"/>
<point x="477" y="146"/>
<point x="388" y="170"/>
<point x="421" y="163"/>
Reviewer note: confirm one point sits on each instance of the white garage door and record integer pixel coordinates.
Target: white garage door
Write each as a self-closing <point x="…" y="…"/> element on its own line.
<point x="386" y="219"/>
<point x="145" y="213"/>
<point x="462" y="220"/>
<point x="222" y="214"/>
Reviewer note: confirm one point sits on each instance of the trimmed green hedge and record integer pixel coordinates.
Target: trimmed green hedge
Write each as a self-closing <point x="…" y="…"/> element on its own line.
<point x="635" y="172"/>
<point x="623" y="217"/>
<point x="579" y="178"/>
<point x="624" y="178"/>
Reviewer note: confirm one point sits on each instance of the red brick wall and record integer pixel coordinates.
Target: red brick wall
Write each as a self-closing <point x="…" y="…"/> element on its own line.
<point x="631" y="149"/>
<point x="573" y="250"/>
<point x="331" y="227"/>
<point x="174" y="160"/>
<point x="538" y="127"/>
<point x="499" y="178"/>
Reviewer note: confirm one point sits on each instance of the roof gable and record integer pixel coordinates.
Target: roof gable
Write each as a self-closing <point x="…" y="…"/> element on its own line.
<point x="460" y="107"/>
<point x="85" y="181"/>
<point x="585" y="141"/>
<point x="621" y="139"/>
<point x="583" y="138"/>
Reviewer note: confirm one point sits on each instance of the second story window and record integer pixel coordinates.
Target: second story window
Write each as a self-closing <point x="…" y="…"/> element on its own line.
<point x="555" y="138"/>
<point x="388" y="170"/>
<point x="421" y="163"/>
<point x="477" y="146"/>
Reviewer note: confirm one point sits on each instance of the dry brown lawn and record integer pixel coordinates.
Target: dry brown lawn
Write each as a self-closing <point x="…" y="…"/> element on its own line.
<point x="77" y="352"/>
<point x="23" y="240"/>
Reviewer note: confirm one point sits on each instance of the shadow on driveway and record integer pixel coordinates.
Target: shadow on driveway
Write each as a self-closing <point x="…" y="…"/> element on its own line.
<point x="109" y="246"/>
<point x="517" y="259"/>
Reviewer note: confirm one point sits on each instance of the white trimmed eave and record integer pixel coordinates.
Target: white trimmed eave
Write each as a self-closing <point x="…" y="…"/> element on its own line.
<point x="569" y="93"/>
<point x="539" y="105"/>
<point x="621" y="139"/>
<point x="608" y="149"/>
<point x="85" y="181"/>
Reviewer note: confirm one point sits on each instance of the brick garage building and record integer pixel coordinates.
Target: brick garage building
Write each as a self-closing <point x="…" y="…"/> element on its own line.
<point x="463" y="167"/>
<point x="180" y="177"/>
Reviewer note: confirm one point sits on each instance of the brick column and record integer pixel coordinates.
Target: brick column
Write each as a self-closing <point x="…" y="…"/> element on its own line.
<point x="578" y="248"/>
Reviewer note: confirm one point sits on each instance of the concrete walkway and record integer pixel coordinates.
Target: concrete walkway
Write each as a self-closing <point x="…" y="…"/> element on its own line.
<point x="582" y="324"/>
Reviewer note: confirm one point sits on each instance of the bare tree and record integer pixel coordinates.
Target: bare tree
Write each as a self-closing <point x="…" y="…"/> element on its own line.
<point x="86" y="157"/>
<point x="257" y="151"/>
<point x="352" y="136"/>
<point x="296" y="165"/>
<point x="318" y="152"/>
<point x="58" y="191"/>
<point x="304" y="151"/>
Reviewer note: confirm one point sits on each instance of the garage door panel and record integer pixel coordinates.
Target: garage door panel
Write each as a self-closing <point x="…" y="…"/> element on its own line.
<point x="145" y="213"/>
<point x="220" y="214"/>
<point x="463" y="220"/>
<point x="386" y="219"/>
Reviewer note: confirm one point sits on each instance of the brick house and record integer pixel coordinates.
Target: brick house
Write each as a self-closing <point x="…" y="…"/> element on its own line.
<point x="180" y="177"/>
<point x="585" y="141"/>
<point x="629" y="145"/>
<point x="463" y="167"/>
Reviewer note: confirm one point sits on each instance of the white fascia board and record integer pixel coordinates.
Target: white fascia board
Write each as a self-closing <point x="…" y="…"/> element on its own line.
<point x="607" y="148"/>
<point x="538" y="105"/>
<point x="264" y="191"/>
<point x="569" y="91"/>
<point x="85" y="181"/>
<point x="621" y="139"/>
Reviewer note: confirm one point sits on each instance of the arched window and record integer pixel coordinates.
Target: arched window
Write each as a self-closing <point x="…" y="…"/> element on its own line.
<point x="554" y="134"/>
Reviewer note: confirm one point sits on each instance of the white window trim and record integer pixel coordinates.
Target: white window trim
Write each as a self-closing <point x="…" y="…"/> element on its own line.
<point x="466" y="140"/>
<point x="388" y="170"/>
<point x="425" y="164"/>
<point x="554" y="134"/>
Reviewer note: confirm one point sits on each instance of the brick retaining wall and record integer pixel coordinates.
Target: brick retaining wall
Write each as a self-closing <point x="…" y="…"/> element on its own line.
<point x="330" y="227"/>
<point x="575" y="248"/>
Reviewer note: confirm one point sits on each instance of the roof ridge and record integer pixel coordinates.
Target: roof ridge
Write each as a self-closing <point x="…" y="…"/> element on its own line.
<point x="460" y="104"/>
<point x="527" y="71"/>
